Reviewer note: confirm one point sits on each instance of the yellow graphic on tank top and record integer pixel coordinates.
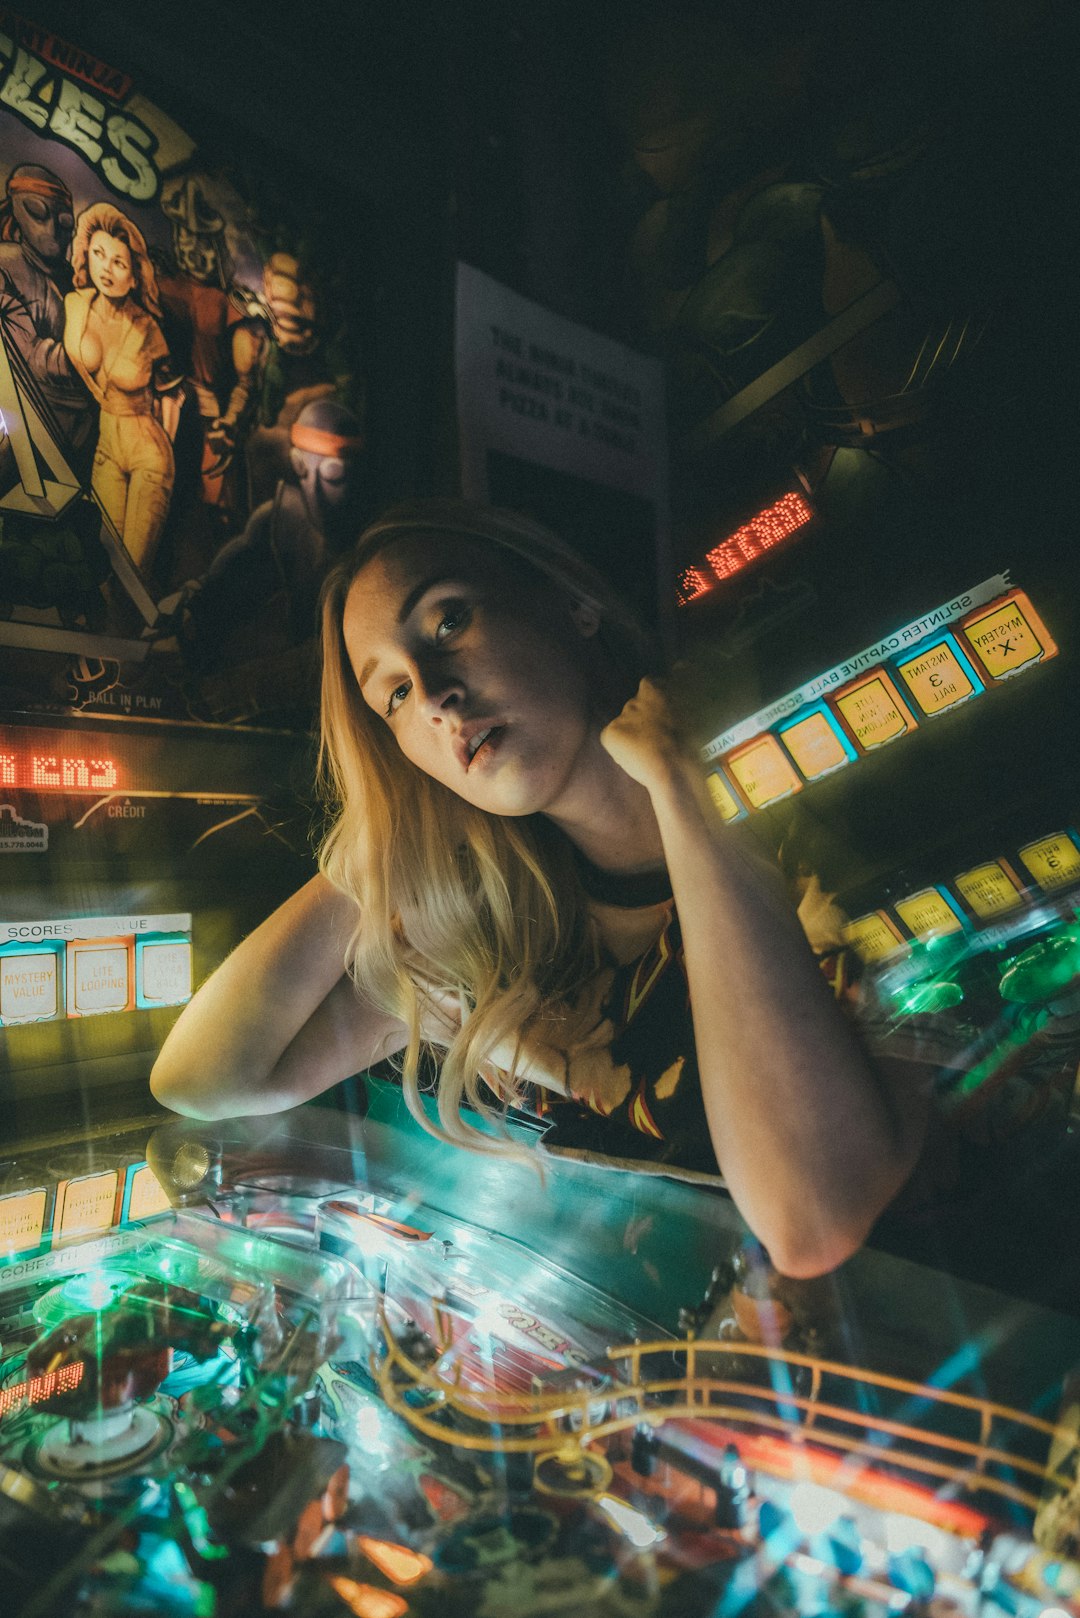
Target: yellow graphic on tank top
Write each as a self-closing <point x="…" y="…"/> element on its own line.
<point x="649" y="971"/>
<point x="668" y="1082"/>
<point x="640" y="1116"/>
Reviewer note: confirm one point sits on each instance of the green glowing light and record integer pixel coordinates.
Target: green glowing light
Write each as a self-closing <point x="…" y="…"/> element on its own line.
<point x="179" y="1268"/>
<point x="927" y="997"/>
<point x="198" y="1524"/>
<point x="92" y="1293"/>
<point x="1044" y="971"/>
<point x="978" y="1075"/>
<point x="933" y="954"/>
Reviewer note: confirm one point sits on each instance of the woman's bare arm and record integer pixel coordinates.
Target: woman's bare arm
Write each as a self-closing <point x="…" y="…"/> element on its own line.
<point x="278" y="1022"/>
<point x="812" y="1141"/>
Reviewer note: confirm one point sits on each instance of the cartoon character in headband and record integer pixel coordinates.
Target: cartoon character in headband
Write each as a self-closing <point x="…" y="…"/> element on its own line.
<point x="36" y="225"/>
<point x="267" y="579"/>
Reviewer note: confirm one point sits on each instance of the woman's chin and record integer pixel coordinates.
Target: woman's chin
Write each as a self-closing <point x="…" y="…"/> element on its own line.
<point x="505" y="792"/>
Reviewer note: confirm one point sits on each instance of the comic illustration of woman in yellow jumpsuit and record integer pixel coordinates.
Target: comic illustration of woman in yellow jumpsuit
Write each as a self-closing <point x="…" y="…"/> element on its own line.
<point x="113" y="338"/>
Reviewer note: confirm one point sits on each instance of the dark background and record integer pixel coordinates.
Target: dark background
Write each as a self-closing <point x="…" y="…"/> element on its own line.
<point x="710" y="183"/>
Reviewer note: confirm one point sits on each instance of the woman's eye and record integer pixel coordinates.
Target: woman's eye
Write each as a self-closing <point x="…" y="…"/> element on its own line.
<point x="397" y="697"/>
<point x="454" y="618"/>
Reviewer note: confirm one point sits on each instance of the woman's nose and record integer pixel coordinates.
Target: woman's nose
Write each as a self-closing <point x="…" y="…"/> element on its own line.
<point x="439" y="692"/>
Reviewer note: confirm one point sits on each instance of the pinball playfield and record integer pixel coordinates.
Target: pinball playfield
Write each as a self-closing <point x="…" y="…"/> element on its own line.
<point x="291" y="1382"/>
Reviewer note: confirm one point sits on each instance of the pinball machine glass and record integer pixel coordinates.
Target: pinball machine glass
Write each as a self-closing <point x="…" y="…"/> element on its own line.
<point x="286" y="1378"/>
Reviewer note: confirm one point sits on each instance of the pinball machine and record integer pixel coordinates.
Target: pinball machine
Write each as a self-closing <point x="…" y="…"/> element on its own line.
<point x="321" y="1363"/>
<point x="312" y="1363"/>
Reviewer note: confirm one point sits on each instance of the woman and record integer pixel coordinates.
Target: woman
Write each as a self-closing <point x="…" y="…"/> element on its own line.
<point x="509" y="814"/>
<point x="113" y="339"/>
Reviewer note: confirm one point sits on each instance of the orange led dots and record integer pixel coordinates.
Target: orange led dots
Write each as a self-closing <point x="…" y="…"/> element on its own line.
<point x="692" y="583"/>
<point x="52" y="771"/>
<point x="767" y="529"/>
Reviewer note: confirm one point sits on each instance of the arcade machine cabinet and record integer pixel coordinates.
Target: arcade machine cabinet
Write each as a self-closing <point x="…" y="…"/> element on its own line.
<point x="135" y="858"/>
<point x="317" y="1364"/>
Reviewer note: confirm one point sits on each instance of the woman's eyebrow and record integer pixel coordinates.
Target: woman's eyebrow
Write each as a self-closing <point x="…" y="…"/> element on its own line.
<point x="419" y="590"/>
<point x="415" y="594"/>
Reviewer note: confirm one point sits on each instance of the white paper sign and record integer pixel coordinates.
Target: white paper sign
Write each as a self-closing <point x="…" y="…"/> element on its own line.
<point x="538" y="393"/>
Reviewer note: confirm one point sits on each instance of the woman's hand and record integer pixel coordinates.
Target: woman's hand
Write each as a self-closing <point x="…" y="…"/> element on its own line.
<point x="642" y="739"/>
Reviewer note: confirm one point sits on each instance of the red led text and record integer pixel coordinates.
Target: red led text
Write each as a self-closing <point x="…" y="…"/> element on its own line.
<point x="770" y="527"/>
<point x="56" y="772"/>
<point x="41" y="1387"/>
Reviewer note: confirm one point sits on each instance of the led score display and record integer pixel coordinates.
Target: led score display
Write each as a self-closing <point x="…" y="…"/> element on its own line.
<point x="47" y="1386"/>
<point x="141" y="756"/>
<point x="767" y="529"/>
<point x="43" y="772"/>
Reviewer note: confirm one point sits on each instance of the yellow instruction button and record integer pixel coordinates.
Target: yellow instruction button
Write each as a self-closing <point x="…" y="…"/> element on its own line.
<point x="874" y="710"/>
<point x="1054" y="862"/>
<point x="1008" y="635"/>
<point x="872" y="937"/>
<point x="22" y="1218"/>
<point x="938" y="677"/>
<point x="763" y="771"/>
<point x="928" y="912"/>
<point x="723" y="797"/>
<point x="989" y="889"/>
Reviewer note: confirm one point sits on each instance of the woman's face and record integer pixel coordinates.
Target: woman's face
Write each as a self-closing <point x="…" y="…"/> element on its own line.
<point x="109" y="263"/>
<point x="480" y="673"/>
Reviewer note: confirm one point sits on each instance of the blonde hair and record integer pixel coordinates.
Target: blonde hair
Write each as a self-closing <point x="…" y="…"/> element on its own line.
<point x="486" y="909"/>
<point x="104" y="216"/>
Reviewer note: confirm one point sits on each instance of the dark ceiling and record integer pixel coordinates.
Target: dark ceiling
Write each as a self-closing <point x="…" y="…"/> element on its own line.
<point x="598" y="156"/>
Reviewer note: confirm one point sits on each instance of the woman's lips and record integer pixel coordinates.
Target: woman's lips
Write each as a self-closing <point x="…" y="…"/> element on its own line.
<point x="488" y="747"/>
